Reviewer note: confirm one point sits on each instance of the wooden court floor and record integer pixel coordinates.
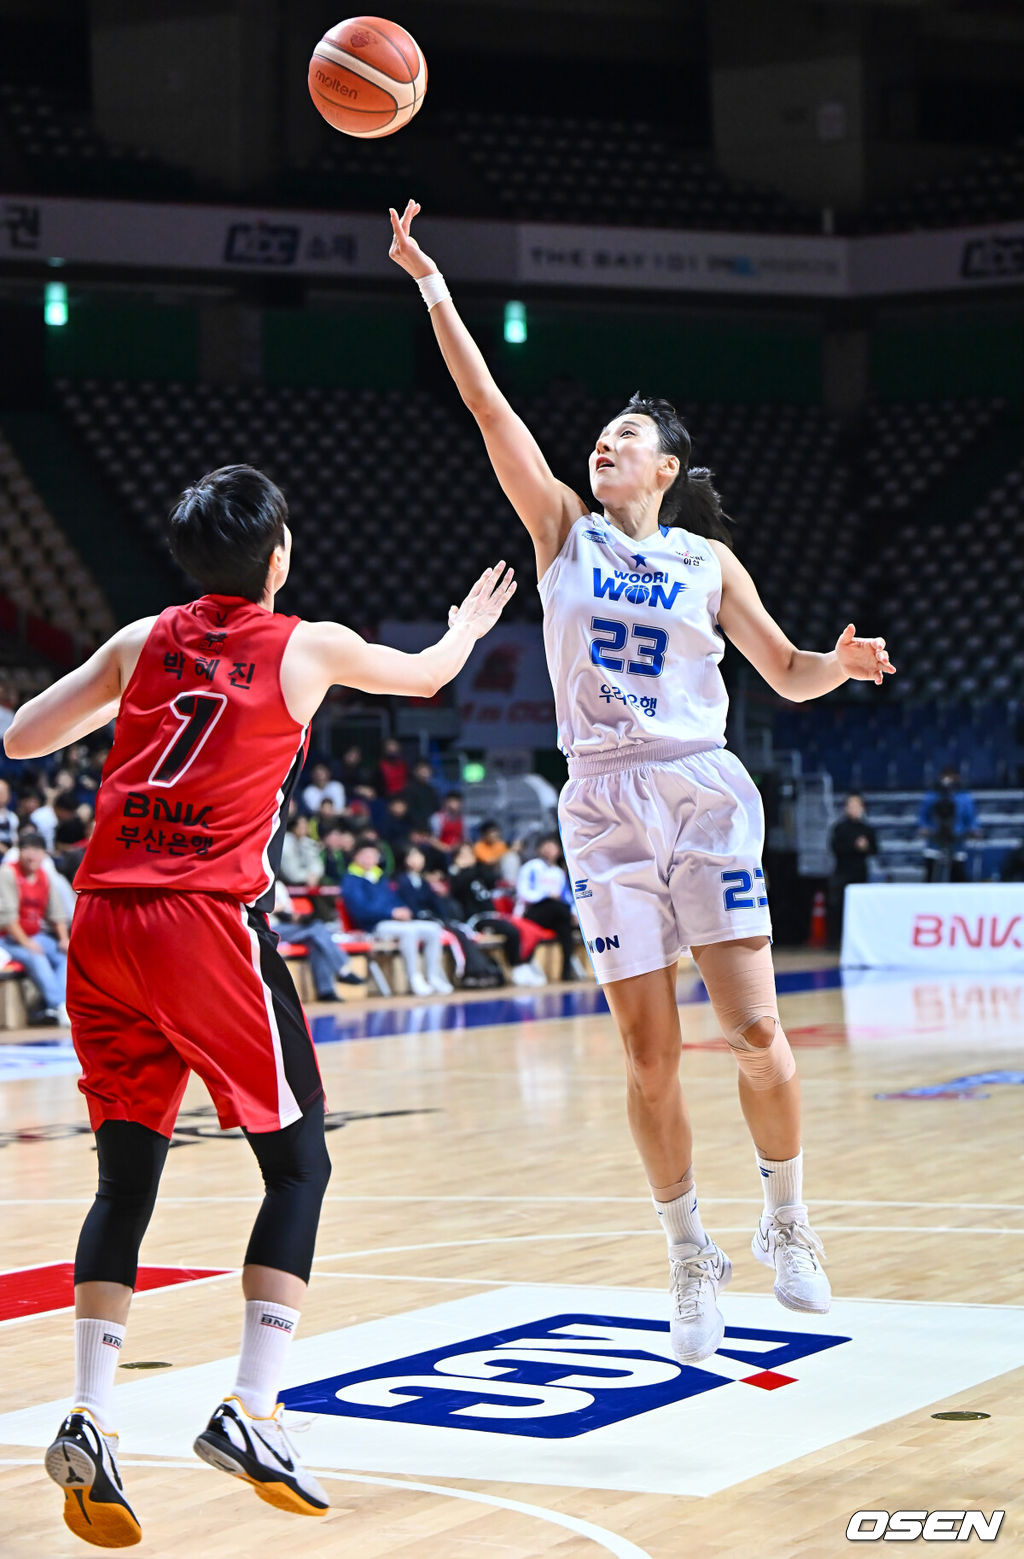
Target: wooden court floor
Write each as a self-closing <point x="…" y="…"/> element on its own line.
<point x="485" y="1163"/>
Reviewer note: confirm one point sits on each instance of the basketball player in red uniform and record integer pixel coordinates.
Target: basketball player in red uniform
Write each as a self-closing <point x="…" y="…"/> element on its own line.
<point x="172" y="967"/>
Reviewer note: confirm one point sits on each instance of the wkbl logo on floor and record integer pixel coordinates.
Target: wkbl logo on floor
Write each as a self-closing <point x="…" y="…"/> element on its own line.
<point x="555" y="1378"/>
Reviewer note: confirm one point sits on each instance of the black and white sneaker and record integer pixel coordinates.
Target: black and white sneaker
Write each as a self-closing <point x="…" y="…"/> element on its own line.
<point x="259" y="1451"/>
<point x="83" y="1460"/>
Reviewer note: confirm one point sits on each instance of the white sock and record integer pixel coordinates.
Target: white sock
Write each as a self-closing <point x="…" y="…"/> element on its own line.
<point x="97" y="1351"/>
<point x="678" y="1213"/>
<point x="782" y="1180"/>
<point x="266" y="1337"/>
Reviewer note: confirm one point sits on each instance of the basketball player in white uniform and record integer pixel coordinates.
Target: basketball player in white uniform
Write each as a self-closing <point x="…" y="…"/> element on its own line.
<point x="662" y="827"/>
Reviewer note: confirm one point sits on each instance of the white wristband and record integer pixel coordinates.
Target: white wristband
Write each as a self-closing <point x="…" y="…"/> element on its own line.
<point x="433" y="289"/>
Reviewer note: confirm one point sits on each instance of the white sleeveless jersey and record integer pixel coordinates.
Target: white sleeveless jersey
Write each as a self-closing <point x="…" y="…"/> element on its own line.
<point x="631" y="638"/>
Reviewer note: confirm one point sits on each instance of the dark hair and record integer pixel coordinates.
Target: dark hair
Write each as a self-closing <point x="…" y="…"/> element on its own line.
<point x="366" y="842"/>
<point x="29" y="839"/>
<point x="223" y="530"/>
<point x="691" y="502"/>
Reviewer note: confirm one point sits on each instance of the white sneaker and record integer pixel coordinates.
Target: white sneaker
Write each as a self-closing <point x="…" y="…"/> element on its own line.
<point x="785" y="1240"/>
<point x="258" y="1451"/>
<point x="440" y="986"/>
<point x="419" y="986"/>
<point x="520" y="975"/>
<point x="537" y="975"/>
<point x="62" y="1016"/>
<point x="83" y="1461"/>
<point x="697" y="1274"/>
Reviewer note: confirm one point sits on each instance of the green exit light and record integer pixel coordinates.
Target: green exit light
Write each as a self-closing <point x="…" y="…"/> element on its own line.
<point x="515" y="323"/>
<point x="473" y="773"/>
<point x="55" y="303"/>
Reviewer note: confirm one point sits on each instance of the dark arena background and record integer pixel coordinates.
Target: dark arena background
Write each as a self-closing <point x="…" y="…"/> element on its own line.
<point x="803" y="222"/>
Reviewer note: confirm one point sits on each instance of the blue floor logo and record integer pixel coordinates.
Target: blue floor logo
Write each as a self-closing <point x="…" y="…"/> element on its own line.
<point x="555" y="1378"/>
<point x="970" y="1087"/>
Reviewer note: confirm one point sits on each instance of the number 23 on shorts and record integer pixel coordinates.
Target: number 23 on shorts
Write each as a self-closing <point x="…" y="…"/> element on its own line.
<point x="740" y="892"/>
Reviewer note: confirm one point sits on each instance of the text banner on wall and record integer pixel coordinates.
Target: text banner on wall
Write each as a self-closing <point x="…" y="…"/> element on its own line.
<point x="504" y="692"/>
<point x="940" y="927"/>
<point x="683" y="262"/>
<point x="228" y="239"/>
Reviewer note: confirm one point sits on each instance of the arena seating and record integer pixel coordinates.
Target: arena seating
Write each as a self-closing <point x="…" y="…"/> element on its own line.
<point x="882" y="742"/>
<point x="64" y="154"/>
<point x="990" y="190"/>
<point x="40" y="572"/>
<point x="602" y="170"/>
<point x="336" y="454"/>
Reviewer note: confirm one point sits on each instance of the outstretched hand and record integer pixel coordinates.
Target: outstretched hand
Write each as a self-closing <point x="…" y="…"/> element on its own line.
<point x="486" y="601"/>
<point x="863" y="660"/>
<point x="405" y="251"/>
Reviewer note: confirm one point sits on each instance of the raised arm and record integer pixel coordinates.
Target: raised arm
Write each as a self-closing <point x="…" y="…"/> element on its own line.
<point x="319" y="655"/>
<point x="546" y="506"/>
<point x="794" y="674"/>
<point x="85" y="700"/>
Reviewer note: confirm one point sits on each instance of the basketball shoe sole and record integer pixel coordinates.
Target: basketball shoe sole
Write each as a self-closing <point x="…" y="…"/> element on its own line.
<point x="82" y="1462"/>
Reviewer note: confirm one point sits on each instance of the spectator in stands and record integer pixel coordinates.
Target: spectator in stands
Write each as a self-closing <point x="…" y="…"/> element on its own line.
<point x="394" y="824"/>
<point x="327" y="961"/>
<point x="392" y="770"/>
<point x="325" y="815"/>
<point x="321" y="786"/>
<point x="374" y="905"/>
<point x="435" y="858"/>
<point x="490" y="848"/>
<point x="471" y="888"/>
<point x="852" y="841"/>
<point x="421" y="795"/>
<point x="43" y="819"/>
<point x="8" y="704"/>
<point x="302" y="864"/>
<point x="355" y="774"/>
<point x="449" y="824"/>
<point x="8" y="818"/>
<point x="91" y="773"/>
<point x="337" y="846"/>
<point x="542" y="895"/>
<point x="946" y="820"/>
<point x="69" y="846"/>
<point x="429" y="899"/>
<point x="33" y="925"/>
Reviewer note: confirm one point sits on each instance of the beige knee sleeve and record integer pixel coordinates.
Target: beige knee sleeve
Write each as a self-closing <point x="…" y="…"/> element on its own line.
<point x="764" y="1066"/>
<point x="741" y="984"/>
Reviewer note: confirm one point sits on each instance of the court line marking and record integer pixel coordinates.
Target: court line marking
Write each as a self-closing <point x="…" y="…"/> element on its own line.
<point x="611" y="1542"/>
<point x="632" y="1201"/>
<point x="619" y="1234"/>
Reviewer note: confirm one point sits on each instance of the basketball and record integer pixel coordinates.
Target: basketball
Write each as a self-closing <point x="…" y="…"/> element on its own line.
<point x="637" y="594"/>
<point x="367" y="77"/>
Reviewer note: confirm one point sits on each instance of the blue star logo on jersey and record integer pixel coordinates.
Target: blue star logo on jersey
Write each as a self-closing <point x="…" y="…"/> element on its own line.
<point x="639" y="561"/>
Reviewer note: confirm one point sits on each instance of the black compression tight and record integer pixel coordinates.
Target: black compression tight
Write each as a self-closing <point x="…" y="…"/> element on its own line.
<point x="131" y="1160"/>
<point x="295" y="1166"/>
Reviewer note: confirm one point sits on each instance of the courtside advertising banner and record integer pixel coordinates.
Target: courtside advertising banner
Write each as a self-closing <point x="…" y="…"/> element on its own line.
<point x="934" y="927"/>
<point x="175" y="237"/>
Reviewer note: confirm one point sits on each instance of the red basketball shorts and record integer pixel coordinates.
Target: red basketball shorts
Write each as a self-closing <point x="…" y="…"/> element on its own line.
<point x="161" y="984"/>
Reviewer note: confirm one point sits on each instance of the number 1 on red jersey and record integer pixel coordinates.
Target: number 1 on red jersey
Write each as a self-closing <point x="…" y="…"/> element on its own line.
<point x="197" y="714"/>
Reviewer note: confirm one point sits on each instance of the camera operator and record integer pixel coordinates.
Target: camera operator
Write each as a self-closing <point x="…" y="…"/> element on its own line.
<point x="945" y="822"/>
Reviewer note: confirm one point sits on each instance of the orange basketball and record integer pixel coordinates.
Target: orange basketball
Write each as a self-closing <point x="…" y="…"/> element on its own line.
<point x="367" y="76"/>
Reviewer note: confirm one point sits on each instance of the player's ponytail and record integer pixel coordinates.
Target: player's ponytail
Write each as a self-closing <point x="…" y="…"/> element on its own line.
<point x="691" y="502"/>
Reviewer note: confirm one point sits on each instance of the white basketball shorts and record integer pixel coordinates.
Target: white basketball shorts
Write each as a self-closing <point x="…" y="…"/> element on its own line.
<point x="663" y="856"/>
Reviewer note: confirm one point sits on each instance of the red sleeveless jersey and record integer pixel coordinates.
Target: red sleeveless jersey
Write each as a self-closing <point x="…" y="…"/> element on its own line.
<point x="195" y="793"/>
